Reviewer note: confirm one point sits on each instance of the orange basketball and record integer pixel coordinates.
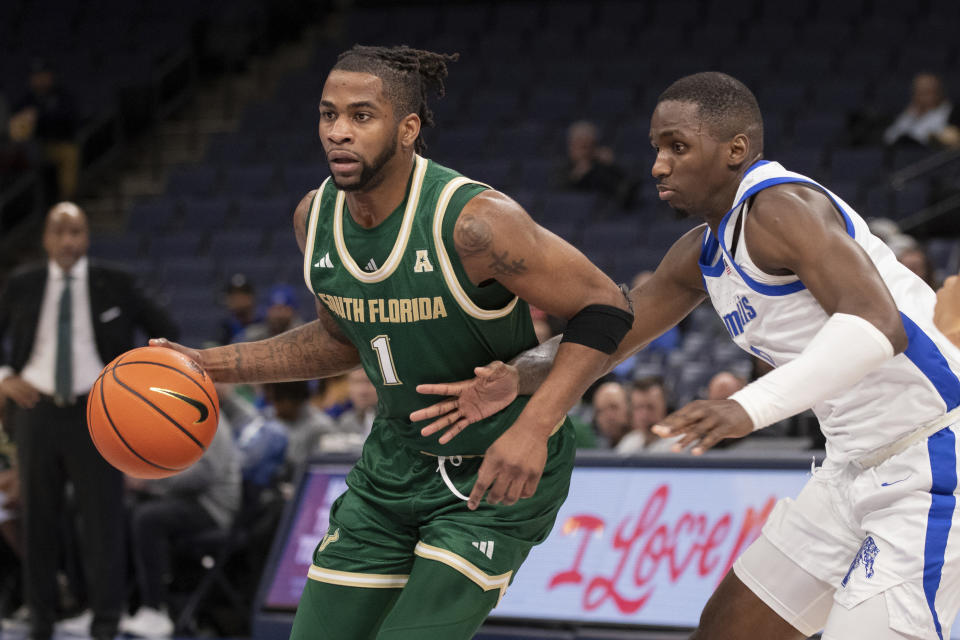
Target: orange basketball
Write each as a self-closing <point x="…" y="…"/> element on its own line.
<point x="152" y="412"/>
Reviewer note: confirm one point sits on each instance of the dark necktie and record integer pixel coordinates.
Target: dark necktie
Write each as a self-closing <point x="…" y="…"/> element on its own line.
<point x="63" y="381"/>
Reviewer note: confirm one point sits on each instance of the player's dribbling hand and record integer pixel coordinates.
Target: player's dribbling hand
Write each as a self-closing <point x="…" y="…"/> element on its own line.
<point x="946" y="314"/>
<point x="471" y="400"/>
<point x="193" y="354"/>
<point x="704" y="423"/>
<point x="511" y="468"/>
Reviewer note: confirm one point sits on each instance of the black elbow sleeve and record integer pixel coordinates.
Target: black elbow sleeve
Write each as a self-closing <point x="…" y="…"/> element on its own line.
<point x="599" y="326"/>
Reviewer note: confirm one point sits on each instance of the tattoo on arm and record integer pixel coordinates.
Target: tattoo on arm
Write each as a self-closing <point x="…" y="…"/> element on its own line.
<point x="472" y="236"/>
<point x="303" y="353"/>
<point x="503" y="265"/>
<point x="535" y="364"/>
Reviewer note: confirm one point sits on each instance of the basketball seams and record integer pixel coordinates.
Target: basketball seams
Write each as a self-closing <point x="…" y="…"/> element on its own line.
<point x="210" y="401"/>
<point x="106" y="412"/>
<point x="153" y="406"/>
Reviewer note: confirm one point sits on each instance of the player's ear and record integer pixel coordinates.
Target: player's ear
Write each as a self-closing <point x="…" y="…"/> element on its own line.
<point x="409" y="129"/>
<point x="738" y="149"/>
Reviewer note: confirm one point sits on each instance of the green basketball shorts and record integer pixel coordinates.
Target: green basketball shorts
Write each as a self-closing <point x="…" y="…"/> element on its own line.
<point x="398" y="506"/>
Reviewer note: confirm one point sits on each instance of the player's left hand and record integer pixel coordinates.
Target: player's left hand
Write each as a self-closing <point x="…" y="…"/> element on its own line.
<point x="704" y="423"/>
<point x="511" y="468"/>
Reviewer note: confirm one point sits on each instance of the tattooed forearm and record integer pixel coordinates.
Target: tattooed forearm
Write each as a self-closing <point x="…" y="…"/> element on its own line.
<point x="303" y="353"/>
<point x="503" y="265"/>
<point x="534" y="365"/>
<point x="472" y="236"/>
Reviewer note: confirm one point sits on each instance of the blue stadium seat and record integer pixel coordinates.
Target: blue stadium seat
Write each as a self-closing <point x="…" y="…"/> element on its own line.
<point x="244" y="243"/>
<point x="263" y="213"/>
<point x="856" y="164"/>
<point x="205" y="213"/>
<point x="877" y="202"/>
<point x="286" y="148"/>
<point x="302" y="178"/>
<point x="819" y="128"/>
<point x="121" y="248"/>
<point x="181" y="244"/>
<point x="152" y="215"/>
<point x="501" y="174"/>
<point x="178" y="272"/>
<point x="913" y="197"/>
<point x="197" y="180"/>
<point x="538" y="173"/>
<point x="802" y="160"/>
<point x="233" y="149"/>
<point x="250" y="180"/>
<point x="262" y="271"/>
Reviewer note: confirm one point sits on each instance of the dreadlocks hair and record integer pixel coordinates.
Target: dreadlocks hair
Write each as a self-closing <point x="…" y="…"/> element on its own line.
<point x="408" y="77"/>
<point x="726" y="105"/>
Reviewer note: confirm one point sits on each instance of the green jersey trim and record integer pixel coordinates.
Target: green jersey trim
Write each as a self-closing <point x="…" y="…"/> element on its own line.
<point x="312" y="233"/>
<point x="446" y="266"/>
<point x="399" y="247"/>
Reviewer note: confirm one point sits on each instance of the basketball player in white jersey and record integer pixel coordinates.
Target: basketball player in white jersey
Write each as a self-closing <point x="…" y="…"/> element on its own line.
<point x="868" y="550"/>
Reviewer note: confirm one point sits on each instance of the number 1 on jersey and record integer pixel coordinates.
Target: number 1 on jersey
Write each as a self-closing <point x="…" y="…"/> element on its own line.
<point x="381" y="344"/>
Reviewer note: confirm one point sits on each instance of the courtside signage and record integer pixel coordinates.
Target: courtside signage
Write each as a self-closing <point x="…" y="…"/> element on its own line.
<point x="645" y="546"/>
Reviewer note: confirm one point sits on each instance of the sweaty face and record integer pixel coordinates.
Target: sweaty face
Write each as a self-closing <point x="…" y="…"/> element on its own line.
<point x="357" y="128"/>
<point x="690" y="167"/>
<point x="66" y="237"/>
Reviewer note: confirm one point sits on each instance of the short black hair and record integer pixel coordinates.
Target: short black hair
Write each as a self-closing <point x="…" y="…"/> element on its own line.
<point x="408" y="76"/>
<point x="726" y="105"/>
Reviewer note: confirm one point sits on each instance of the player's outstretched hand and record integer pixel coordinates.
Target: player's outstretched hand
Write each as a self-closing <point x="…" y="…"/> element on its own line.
<point x="511" y="468"/>
<point x="471" y="400"/>
<point x="704" y="423"/>
<point x="193" y="354"/>
<point x="946" y="315"/>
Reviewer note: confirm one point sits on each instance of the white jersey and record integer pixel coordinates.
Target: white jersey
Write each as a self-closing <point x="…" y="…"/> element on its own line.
<point x="775" y="317"/>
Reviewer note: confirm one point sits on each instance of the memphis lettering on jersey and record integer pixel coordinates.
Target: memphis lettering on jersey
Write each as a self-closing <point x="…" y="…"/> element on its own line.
<point x="384" y="310"/>
<point x="737" y="319"/>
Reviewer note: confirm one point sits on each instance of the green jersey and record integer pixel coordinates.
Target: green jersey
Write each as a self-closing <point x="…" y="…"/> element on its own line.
<point x="400" y="294"/>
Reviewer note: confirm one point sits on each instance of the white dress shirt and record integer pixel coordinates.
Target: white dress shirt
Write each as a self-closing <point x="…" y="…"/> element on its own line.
<point x="40" y="368"/>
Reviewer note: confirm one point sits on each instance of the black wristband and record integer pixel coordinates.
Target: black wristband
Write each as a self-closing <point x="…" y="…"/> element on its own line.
<point x="599" y="326"/>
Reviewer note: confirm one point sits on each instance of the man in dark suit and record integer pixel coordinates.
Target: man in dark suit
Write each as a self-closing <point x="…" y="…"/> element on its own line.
<point x="60" y="323"/>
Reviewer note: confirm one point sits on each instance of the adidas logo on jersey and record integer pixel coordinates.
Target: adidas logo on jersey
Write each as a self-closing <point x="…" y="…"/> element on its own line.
<point x="486" y="548"/>
<point x="371" y="266"/>
<point x="324" y="263"/>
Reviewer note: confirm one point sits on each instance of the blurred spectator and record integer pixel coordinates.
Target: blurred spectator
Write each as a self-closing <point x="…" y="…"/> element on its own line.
<point x="928" y="120"/>
<point x="649" y="405"/>
<point x="354" y="424"/>
<point x="205" y="496"/>
<point x="60" y="322"/>
<point x="590" y="167"/>
<point x="306" y="425"/>
<point x="241" y="303"/>
<point x="917" y="260"/>
<point x="47" y="114"/>
<point x="611" y="414"/>
<point x="722" y="385"/>
<point x="280" y="315"/>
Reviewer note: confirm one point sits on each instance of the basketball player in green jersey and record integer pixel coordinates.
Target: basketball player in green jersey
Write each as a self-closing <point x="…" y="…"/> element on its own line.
<point x="421" y="274"/>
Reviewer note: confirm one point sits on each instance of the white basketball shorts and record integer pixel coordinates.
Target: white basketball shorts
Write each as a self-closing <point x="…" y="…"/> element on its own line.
<point x="893" y="529"/>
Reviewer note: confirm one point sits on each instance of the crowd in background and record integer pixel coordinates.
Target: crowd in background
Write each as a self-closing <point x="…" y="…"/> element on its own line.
<point x="269" y="433"/>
